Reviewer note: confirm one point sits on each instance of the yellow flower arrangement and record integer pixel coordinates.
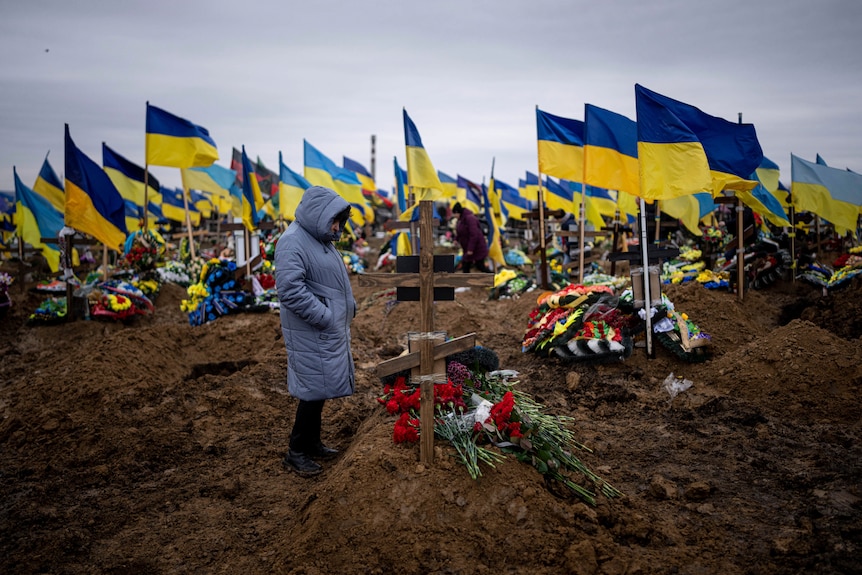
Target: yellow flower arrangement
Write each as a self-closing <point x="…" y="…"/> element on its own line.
<point x="117" y="302"/>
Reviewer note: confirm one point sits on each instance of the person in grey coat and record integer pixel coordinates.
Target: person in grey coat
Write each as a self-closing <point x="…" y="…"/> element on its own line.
<point x="316" y="308"/>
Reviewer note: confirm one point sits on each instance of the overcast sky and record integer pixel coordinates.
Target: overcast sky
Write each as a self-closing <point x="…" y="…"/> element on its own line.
<point x="470" y="73"/>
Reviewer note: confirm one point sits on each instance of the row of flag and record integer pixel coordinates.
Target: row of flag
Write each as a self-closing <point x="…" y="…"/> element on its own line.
<point x="673" y="153"/>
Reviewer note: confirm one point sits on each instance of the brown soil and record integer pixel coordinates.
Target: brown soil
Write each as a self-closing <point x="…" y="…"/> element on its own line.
<point x="155" y="447"/>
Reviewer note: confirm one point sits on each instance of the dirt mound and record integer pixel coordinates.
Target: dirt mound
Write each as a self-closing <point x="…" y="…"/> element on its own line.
<point x="155" y="447"/>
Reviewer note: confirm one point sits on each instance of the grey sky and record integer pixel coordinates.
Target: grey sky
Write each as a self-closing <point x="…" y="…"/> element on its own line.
<point x="266" y="74"/>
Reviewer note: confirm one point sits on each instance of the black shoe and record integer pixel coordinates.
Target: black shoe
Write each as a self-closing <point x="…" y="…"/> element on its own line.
<point x="301" y="464"/>
<point x="323" y="452"/>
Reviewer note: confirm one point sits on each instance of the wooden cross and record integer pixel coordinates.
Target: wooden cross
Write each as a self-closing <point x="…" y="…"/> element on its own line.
<point x="427" y="352"/>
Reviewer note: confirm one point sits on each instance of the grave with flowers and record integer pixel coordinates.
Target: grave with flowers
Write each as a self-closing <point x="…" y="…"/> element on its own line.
<point x="454" y="390"/>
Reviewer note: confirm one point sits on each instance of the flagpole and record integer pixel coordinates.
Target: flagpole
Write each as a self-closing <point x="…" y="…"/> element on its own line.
<point x="188" y="215"/>
<point x="146" y="176"/>
<point x="543" y="257"/>
<point x="646" y="278"/>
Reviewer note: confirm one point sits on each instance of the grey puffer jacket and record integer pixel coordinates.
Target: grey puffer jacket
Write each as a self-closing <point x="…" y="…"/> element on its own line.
<point x="317" y="304"/>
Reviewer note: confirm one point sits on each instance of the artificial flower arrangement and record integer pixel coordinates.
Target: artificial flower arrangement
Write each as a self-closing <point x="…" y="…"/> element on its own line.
<point x="675" y="330"/>
<point x="510" y="284"/>
<point x="5" y="300"/>
<point x="118" y="300"/>
<point x="713" y="236"/>
<point x="216" y="294"/>
<point x="354" y="262"/>
<point x="52" y="310"/>
<point x="486" y="418"/>
<point x="143" y="250"/>
<point x="579" y="323"/>
<point x="517" y="258"/>
<point x="175" y="272"/>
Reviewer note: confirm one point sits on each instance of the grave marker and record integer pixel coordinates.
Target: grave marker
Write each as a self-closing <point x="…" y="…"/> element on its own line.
<point x="427" y="349"/>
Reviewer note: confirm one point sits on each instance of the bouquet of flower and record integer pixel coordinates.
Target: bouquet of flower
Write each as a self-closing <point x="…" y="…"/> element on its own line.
<point x="143" y="250"/>
<point x="485" y="418"/>
<point x="118" y="300"/>
<point x="5" y="300"/>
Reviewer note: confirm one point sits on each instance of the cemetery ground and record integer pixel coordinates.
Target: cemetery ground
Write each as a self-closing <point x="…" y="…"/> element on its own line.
<point x="154" y="447"/>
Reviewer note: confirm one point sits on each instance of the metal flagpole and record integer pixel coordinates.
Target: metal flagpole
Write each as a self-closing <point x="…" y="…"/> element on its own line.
<point x="646" y="279"/>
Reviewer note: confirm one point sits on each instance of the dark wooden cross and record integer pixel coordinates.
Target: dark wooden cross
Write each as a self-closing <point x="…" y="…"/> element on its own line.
<point x="427" y="352"/>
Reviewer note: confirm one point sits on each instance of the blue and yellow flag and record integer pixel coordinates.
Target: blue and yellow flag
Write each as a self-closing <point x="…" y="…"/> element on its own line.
<point x="472" y="194"/>
<point x="174" y="207"/>
<point x="362" y="174"/>
<point x="201" y="203"/>
<point x="610" y="150"/>
<point x="252" y="200"/>
<point x="830" y="193"/>
<point x="128" y="178"/>
<point x="495" y="246"/>
<point x="36" y="218"/>
<point x="575" y="190"/>
<point x="763" y="199"/>
<point x="561" y="146"/>
<point x="215" y="180"/>
<point x="291" y="188"/>
<point x="558" y="197"/>
<point x="93" y="204"/>
<point x="421" y="175"/>
<point x="675" y="138"/>
<point x="450" y="188"/>
<point x="320" y="170"/>
<point x="529" y="187"/>
<point x="50" y="187"/>
<point x="175" y="142"/>
<point x="515" y="204"/>
<point x="401" y="192"/>
<point x="690" y="210"/>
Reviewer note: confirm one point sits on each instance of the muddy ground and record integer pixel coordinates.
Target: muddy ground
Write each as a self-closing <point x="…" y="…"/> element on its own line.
<point x="154" y="447"/>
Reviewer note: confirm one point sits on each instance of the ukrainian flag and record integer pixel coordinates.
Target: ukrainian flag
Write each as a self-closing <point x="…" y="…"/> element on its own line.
<point x="133" y="214"/>
<point x="252" y="200"/>
<point x="561" y="146"/>
<point x="516" y="205"/>
<point x="401" y="191"/>
<point x="421" y="175"/>
<point x="529" y="187"/>
<point x="495" y="247"/>
<point x="830" y="193"/>
<point x="450" y="188"/>
<point x="610" y="150"/>
<point x="175" y="142"/>
<point x="322" y="171"/>
<point x="37" y="218"/>
<point x="591" y="212"/>
<point x="174" y="208"/>
<point x="7" y="217"/>
<point x="291" y="188"/>
<point x="362" y="174"/>
<point x="678" y="137"/>
<point x="215" y="180"/>
<point x="472" y="195"/>
<point x="201" y="203"/>
<point x="762" y="199"/>
<point x="559" y="197"/>
<point x="690" y="210"/>
<point x="93" y="204"/>
<point x="128" y="177"/>
<point x="50" y="187"/>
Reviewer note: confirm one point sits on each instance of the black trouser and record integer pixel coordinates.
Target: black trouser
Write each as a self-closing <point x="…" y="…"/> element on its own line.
<point x="305" y="436"/>
<point x="480" y="266"/>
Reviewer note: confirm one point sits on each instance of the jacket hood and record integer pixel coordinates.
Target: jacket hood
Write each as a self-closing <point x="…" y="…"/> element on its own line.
<point x="317" y="209"/>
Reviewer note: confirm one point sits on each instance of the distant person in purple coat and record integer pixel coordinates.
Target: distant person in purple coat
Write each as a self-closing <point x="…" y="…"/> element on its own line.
<point x="472" y="240"/>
